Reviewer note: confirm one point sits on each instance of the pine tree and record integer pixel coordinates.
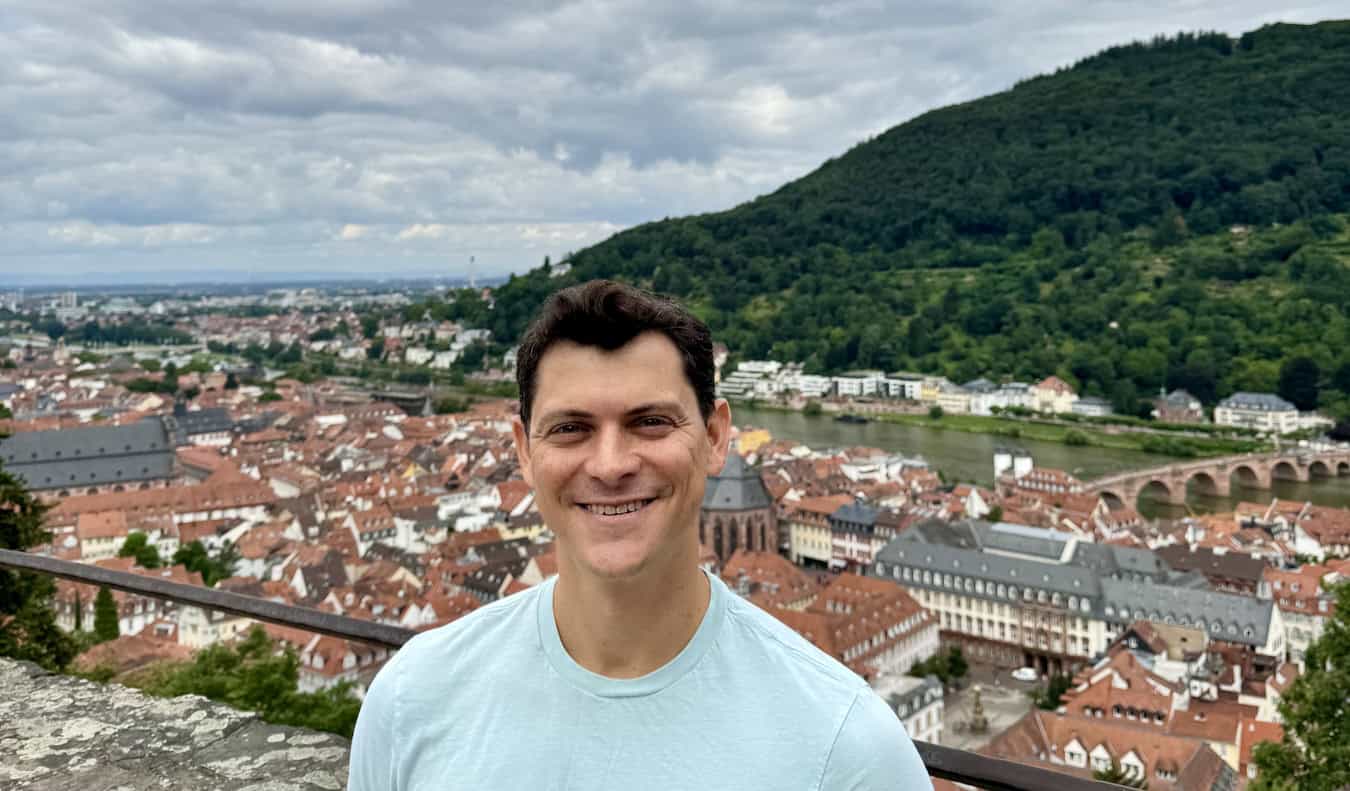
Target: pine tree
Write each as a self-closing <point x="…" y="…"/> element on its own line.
<point x="105" y="616"/>
<point x="27" y="623"/>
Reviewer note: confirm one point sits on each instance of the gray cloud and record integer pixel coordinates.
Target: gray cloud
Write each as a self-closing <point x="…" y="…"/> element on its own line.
<point x="394" y="135"/>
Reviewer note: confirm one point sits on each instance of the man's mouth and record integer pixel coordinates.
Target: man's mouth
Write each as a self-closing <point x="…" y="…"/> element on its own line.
<point x="615" y="509"/>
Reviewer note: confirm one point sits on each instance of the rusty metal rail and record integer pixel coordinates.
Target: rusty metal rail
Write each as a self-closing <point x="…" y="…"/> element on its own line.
<point x="212" y="599"/>
<point x="960" y="766"/>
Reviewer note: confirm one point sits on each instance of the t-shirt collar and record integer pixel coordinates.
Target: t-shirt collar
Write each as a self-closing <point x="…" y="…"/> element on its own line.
<point x="655" y="681"/>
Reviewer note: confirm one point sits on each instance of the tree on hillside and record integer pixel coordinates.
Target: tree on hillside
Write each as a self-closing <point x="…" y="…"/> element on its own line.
<point x="1315" y="753"/>
<point x="105" y="616"/>
<point x="1299" y="382"/>
<point x="27" y="623"/>
<point x="137" y="545"/>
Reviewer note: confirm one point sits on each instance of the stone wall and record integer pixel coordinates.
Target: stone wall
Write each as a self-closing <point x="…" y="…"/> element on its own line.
<point x="59" y="733"/>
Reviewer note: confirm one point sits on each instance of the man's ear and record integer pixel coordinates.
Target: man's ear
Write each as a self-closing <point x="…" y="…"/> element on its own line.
<point x="719" y="435"/>
<point x="522" y="436"/>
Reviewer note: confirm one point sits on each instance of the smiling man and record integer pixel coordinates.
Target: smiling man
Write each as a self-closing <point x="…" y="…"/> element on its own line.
<point x="632" y="668"/>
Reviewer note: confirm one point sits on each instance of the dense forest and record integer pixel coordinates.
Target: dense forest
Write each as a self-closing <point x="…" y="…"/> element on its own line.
<point x="1162" y="214"/>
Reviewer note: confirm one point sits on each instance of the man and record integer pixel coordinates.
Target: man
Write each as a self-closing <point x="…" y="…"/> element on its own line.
<point x="632" y="668"/>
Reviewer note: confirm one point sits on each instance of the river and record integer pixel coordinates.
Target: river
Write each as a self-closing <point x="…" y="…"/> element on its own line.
<point x="963" y="456"/>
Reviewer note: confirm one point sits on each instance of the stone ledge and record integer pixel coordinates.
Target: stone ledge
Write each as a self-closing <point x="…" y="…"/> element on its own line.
<point x="59" y="733"/>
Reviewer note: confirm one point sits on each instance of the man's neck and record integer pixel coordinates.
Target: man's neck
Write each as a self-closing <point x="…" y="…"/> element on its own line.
<point x="629" y="628"/>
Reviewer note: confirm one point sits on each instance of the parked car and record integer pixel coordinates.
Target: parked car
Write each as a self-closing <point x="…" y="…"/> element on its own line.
<point x="1025" y="674"/>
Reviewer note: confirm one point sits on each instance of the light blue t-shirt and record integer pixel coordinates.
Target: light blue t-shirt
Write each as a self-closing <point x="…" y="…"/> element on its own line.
<point x="493" y="701"/>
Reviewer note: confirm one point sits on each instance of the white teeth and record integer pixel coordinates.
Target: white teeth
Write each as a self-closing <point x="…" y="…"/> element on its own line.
<point x="614" y="510"/>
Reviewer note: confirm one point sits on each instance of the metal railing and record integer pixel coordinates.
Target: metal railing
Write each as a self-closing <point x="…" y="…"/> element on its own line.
<point x="960" y="766"/>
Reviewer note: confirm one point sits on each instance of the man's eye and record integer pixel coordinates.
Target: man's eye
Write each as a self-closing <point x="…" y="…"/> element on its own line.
<point x="653" y="421"/>
<point x="565" y="428"/>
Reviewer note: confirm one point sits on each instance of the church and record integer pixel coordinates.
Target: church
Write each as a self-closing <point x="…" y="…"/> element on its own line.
<point x="737" y="512"/>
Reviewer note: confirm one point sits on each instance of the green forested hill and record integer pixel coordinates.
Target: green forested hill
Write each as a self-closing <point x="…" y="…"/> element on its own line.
<point x="1080" y="223"/>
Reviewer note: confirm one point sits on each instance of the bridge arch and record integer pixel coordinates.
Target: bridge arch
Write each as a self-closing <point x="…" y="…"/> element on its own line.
<point x="1287" y="471"/>
<point x="1247" y="477"/>
<point x="1114" y="501"/>
<point x="1319" y="469"/>
<point x="1343" y="468"/>
<point x="1208" y="484"/>
<point x="1158" y="490"/>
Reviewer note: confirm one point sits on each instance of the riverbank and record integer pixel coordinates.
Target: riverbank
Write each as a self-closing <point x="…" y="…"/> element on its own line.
<point x="1080" y="435"/>
<point x="968" y="456"/>
<point x="1093" y="435"/>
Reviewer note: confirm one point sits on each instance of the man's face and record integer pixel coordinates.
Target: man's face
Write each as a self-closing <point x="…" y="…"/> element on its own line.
<point x="618" y="455"/>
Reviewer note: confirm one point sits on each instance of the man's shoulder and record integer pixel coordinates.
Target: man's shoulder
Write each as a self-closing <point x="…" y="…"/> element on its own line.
<point x="755" y="630"/>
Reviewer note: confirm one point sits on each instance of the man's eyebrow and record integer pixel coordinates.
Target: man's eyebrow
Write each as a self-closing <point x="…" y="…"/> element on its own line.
<point x="657" y="406"/>
<point x="565" y="414"/>
<point x="641" y="409"/>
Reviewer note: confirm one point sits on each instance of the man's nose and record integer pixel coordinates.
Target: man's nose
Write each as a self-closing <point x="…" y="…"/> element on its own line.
<point x="612" y="456"/>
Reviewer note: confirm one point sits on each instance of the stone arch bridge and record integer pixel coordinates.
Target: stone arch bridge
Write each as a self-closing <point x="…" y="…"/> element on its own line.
<point x="1217" y="476"/>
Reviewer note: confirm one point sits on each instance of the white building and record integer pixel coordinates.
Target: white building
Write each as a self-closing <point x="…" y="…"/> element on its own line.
<point x="198" y="628"/>
<point x="918" y="702"/>
<point x="1260" y="411"/>
<point x="1014" y="595"/>
<point x="813" y="386"/>
<point x="1091" y="406"/>
<point x="753" y="379"/>
<point x="953" y="399"/>
<point x="1015" y="462"/>
<point x="1053" y="395"/>
<point x="857" y="384"/>
<point x="418" y="355"/>
<point x="443" y="360"/>
<point x="985" y="397"/>
<point x="907" y="387"/>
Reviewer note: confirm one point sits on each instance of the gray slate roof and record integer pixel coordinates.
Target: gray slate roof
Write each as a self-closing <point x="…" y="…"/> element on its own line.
<point x="1265" y="402"/>
<point x="92" y="456"/>
<point x="1226" y="616"/>
<point x="737" y="488"/>
<point x="908" y="695"/>
<point x="1120" y="578"/>
<point x="1180" y="399"/>
<point x="855" y="517"/>
<point x="205" y="421"/>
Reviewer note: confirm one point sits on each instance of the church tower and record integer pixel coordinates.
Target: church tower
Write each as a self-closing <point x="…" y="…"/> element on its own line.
<point x="737" y="512"/>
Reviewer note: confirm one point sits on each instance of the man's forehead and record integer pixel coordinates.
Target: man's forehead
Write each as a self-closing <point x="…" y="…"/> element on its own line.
<point x="648" y="369"/>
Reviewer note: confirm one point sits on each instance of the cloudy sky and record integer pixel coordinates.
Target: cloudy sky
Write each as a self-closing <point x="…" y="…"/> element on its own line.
<point x="172" y="140"/>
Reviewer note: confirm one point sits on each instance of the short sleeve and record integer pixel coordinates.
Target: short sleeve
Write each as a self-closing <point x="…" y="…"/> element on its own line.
<point x="373" y="765"/>
<point x="873" y="753"/>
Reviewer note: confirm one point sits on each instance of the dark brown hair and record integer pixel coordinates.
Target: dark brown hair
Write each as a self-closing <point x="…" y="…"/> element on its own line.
<point x="608" y="314"/>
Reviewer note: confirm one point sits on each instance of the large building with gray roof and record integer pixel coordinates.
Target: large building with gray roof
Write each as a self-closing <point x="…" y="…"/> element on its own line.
<point x="55" y="464"/>
<point x="1017" y="595"/>
<point x="1259" y="411"/>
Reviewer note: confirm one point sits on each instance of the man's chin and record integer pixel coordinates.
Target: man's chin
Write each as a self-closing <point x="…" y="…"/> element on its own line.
<point x="614" y="570"/>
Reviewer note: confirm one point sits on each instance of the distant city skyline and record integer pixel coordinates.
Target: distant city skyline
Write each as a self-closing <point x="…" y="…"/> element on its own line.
<point x="144" y="141"/>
